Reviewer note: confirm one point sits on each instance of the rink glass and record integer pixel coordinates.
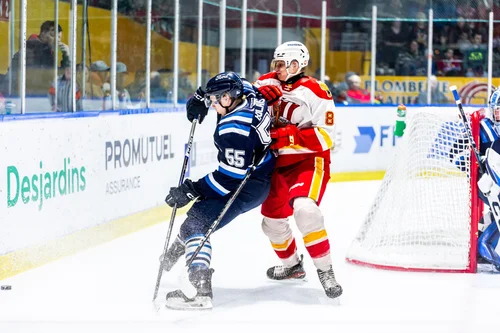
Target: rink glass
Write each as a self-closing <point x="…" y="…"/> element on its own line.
<point x="459" y="44"/>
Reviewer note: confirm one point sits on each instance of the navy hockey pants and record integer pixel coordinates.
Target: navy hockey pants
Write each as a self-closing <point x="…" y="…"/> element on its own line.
<point x="203" y="213"/>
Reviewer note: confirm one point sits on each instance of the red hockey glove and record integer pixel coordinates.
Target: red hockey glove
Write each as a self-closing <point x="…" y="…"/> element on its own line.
<point x="271" y="93"/>
<point x="284" y="136"/>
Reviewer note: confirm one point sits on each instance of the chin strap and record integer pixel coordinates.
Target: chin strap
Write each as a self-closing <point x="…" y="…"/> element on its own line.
<point x="289" y="76"/>
<point x="230" y="105"/>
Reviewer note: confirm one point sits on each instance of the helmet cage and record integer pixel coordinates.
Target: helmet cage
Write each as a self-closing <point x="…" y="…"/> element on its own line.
<point x="494" y="107"/>
<point x="495" y="114"/>
<point x="221" y="84"/>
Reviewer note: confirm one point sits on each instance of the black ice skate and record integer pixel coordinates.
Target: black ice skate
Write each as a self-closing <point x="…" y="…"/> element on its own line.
<point x="201" y="279"/>
<point x="296" y="272"/>
<point x="331" y="286"/>
<point x="175" y="251"/>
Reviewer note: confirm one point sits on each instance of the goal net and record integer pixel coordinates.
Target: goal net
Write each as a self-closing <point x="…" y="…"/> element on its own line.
<point x="425" y="214"/>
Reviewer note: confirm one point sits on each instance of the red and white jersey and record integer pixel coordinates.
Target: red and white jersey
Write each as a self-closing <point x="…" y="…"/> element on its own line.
<point x="307" y="103"/>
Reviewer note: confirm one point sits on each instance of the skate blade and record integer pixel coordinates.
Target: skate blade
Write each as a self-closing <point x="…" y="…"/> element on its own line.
<point x="290" y="281"/>
<point x="198" y="303"/>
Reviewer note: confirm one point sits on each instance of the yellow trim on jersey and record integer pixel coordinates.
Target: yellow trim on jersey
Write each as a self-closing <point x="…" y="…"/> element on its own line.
<point x="325" y="136"/>
<point x="314" y="236"/>
<point x="317" y="178"/>
<point x="282" y="246"/>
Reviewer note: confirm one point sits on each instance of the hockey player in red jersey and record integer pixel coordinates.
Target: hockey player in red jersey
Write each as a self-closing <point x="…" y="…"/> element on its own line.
<point x="303" y="133"/>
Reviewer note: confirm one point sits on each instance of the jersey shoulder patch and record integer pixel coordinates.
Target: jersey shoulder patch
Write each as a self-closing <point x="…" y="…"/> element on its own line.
<point x="318" y="87"/>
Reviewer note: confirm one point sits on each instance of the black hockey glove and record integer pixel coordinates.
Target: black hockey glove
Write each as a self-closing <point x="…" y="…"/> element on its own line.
<point x="182" y="195"/>
<point x="196" y="106"/>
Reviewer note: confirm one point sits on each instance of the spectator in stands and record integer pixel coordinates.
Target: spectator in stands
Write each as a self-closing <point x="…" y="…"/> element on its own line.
<point x="475" y="57"/>
<point x="99" y="73"/>
<point x="458" y="30"/>
<point x="412" y="62"/>
<point x="137" y="88"/>
<point x="441" y="45"/>
<point x="329" y="83"/>
<point x="340" y="94"/>
<point x="157" y="90"/>
<point x="448" y="65"/>
<point x="355" y="92"/>
<point x="122" y="95"/>
<point x="394" y="38"/>
<point x="419" y="32"/>
<point x="437" y="97"/>
<point x="39" y="60"/>
<point x="64" y="102"/>
<point x="463" y="42"/>
<point x="496" y="60"/>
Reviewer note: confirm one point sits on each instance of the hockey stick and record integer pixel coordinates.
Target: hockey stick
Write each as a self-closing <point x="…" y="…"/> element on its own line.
<point x="174" y="210"/>
<point x="492" y="200"/>
<point x="227" y="206"/>
<point x="453" y="89"/>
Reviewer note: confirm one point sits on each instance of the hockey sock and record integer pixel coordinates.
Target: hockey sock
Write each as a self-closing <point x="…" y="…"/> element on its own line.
<point x="287" y="252"/>
<point x="204" y="256"/>
<point x="282" y="240"/>
<point x="318" y="246"/>
<point x="310" y="222"/>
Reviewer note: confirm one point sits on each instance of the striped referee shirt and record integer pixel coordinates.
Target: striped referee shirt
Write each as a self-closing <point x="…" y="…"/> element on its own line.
<point x="64" y="100"/>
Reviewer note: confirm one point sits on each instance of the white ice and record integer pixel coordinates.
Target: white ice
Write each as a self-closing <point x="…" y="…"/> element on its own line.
<point x="109" y="288"/>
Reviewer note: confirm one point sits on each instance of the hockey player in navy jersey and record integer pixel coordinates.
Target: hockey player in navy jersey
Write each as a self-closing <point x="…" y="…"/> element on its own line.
<point x="241" y="137"/>
<point x="489" y="183"/>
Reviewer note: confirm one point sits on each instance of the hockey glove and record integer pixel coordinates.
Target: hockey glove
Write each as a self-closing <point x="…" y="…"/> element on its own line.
<point x="271" y="93"/>
<point x="182" y="195"/>
<point x="284" y="136"/>
<point x="196" y="106"/>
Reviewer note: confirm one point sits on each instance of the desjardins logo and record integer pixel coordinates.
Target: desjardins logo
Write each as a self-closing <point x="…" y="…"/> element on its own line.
<point x="43" y="185"/>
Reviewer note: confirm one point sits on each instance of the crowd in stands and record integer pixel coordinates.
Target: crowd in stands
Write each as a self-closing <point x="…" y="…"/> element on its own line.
<point x="459" y="49"/>
<point x="40" y="78"/>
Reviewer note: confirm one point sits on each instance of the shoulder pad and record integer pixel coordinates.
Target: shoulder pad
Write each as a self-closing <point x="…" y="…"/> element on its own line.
<point x="318" y="87"/>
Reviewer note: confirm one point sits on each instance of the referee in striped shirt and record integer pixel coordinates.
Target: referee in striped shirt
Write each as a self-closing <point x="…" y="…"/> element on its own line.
<point x="63" y="86"/>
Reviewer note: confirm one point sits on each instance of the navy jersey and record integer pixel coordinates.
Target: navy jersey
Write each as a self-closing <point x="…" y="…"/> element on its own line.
<point x="240" y="137"/>
<point x="487" y="134"/>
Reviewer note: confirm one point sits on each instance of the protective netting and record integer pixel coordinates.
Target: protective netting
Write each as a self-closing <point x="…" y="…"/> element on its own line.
<point x="421" y="216"/>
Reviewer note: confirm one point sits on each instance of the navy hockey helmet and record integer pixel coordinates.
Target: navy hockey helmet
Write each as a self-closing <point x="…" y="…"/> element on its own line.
<point x="223" y="84"/>
<point x="494" y="106"/>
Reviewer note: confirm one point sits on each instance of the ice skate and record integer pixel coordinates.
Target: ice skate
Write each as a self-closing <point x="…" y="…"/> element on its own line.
<point x="281" y="272"/>
<point x="330" y="285"/>
<point x="201" y="279"/>
<point x="175" y="251"/>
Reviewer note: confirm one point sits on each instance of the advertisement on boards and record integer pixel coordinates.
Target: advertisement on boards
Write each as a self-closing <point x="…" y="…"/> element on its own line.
<point x="406" y="89"/>
<point x="58" y="176"/>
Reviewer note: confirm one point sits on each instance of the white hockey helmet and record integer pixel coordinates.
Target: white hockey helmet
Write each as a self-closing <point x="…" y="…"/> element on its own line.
<point x="291" y="51"/>
<point x="494" y="106"/>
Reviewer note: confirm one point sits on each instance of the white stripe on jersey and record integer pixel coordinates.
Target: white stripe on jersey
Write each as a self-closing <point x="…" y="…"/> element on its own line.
<point x="216" y="184"/>
<point x="234" y="130"/>
<point x="247" y="120"/>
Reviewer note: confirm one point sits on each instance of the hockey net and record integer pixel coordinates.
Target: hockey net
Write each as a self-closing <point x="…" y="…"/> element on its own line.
<point x="425" y="214"/>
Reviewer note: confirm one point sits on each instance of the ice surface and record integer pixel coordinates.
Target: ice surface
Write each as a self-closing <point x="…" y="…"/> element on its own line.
<point x="109" y="288"/>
